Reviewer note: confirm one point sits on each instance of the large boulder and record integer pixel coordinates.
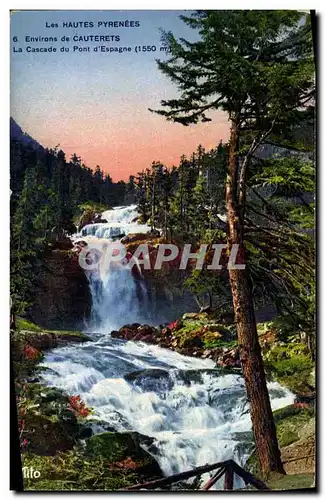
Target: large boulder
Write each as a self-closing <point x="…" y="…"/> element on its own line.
<point x="151" y="379"/>
<point x="90" y="216"/>
<point x="62" y="298"/>
<point x="49" y="424"/>
<point x="295" y="429"/>
<point x="124" y="448"/>
<point x="230" y="358"/>
<point x="145" y="333"/>
<point x="132" y="237"/>
<point x="48" y="436"/>
<point x="48" y="340"/>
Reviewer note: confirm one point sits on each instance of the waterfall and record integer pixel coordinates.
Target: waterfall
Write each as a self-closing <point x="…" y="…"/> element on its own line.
<point x="121" y="221"/>
<point x="118" y="297"/>
<point x="194" y="413"/>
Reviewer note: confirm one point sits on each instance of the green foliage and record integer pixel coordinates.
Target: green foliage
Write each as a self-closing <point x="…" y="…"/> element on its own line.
<point x="268" y="93"/>
<point x="204" y="332"/>
<point x="25" y="324"/>
<point x="293" y="413"/>
<point x="269" y="63"/>
<point x="289" y="421"/>
<point x="119" y="446"/>
<point x="184" y="200"/>
<point x="94" y="206"/>
<point x="112" y="446"/>
<point x="291" y="175"/>
<point x="280" y="250"/>
<point x="73" y="471"/>
<point x="210" y="343"/>
<point x="291" y="365"/>
<point x="292" y="482"/>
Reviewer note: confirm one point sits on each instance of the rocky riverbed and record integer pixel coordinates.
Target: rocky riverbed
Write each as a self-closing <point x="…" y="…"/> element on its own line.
<point x="58" y="431"/>
<point x="194" y="334"/>
<point x="57" y="436"/>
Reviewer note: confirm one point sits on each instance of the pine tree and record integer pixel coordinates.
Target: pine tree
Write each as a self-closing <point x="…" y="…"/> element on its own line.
<point x="256" y="66"/>
<point x="25" y="246"/>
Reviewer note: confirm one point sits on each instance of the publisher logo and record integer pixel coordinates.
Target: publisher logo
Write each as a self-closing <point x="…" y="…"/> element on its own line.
<point x="31" y="473"/>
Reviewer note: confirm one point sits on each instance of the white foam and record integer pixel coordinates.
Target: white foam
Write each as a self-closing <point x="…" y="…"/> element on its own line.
<point x="193" y="421"/>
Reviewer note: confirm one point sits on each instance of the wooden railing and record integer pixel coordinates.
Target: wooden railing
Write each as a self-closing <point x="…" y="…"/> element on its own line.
<point x="228" y="468"/>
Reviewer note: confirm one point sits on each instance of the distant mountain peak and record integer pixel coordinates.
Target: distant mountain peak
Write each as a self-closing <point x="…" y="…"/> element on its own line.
<point x="17" y="134"/>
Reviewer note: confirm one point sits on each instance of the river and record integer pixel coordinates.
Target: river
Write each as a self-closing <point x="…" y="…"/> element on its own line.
<point x="195" y="414"/>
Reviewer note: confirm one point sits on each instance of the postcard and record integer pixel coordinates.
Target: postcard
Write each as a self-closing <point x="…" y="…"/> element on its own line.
<point x="162" y="223"/>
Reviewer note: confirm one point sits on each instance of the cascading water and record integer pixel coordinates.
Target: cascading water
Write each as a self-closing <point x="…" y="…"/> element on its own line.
<point x="195" y="414"/>
<point x="120" y="221"/>
<point x="117" y="297"/>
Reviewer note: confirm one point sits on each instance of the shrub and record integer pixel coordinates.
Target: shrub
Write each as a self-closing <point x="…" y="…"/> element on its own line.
<point x="78" y="406"/>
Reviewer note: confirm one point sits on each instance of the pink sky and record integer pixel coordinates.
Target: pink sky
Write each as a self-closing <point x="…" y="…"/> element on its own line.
<point x="96" y="105"/>
<point x="124" y="151"/>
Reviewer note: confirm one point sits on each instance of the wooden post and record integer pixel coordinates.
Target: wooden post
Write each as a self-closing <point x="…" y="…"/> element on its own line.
<point x="229" y="478"/>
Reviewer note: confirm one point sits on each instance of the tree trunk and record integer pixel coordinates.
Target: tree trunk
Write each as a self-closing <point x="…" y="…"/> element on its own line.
<point x="267" y="450"/>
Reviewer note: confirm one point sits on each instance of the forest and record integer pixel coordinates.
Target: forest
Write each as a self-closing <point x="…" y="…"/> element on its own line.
<point x="48" y="196"/>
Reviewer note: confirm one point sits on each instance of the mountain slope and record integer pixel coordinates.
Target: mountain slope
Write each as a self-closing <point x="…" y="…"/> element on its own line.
<point x="17" y="134"/>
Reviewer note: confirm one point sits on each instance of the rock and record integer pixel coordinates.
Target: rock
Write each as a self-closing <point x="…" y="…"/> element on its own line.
<point x="192" y="341"/>
<point x="295" y="428"/>
<point x="189" y="376"/>
<point x="53" y="394"/>
<point x="98" y="219"/>
<point x="48" y="340"/>
<point x="131" y="238"/>
<point x="147" y="338"/>
<point x="146" y="333"/>
<point x="62" y="298"/>
<point x="146" y="330"/>
<point x="135" y="325"/>
<point x="195" y="315"/>
<point x="299" y="457"/>
<point x="40" y="341"/>
<point x="150" y="372"/>
<point x="189" y="351"/>
<point x="62" y="243"/>
<point x="47" y="437"/>
<point x="127" y="332"/>
<point x="230" y="358"/>
<point x="89" y="217"/>
<point x="117" y="447"/>
<point x="93" y="426"/>
<point x="154" y="379"/>
<point x="308" y="399"/>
